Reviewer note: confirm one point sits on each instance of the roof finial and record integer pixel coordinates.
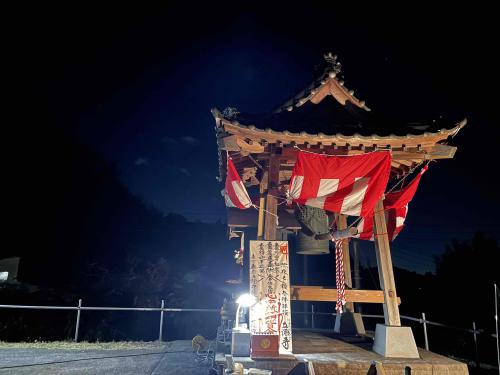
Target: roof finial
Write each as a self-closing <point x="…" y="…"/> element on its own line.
<point x="331" y="59"/>
<point x="230" y="113"/>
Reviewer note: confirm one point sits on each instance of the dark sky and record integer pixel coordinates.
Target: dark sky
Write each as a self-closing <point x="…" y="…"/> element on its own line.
<point x="137" y="85"/>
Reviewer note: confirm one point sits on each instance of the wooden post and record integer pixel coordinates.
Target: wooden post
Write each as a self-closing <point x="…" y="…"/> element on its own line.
<point x="384" y="263"/>
<point x="305" y="280"/>
<point x="342" y="224"/>
<point x="357" y="277"/>
<point x="271" y="201"/>
<point x="262" y="203"/>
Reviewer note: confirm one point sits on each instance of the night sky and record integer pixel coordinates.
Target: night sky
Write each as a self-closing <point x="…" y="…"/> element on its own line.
<point x="137" y="86"/>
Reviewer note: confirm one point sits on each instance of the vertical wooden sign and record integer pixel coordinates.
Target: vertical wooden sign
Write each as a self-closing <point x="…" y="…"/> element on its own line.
<point x="270" y="284"/>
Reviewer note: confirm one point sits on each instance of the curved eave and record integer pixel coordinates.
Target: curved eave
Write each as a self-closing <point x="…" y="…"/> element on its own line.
<point x="270" y="136"/>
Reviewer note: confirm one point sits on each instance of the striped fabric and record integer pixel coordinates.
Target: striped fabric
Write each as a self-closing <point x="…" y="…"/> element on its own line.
<point x="396" y="210"/>
<point x="235" y="193"/>
<point x="349" y="185"/>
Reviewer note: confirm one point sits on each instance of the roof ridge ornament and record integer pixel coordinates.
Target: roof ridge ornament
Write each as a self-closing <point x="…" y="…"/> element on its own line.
<point x="331" y="59"/>
<point x="230" y="113"/>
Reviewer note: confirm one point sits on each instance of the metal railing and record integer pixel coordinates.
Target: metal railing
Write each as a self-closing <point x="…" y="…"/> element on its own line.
<point x="162" y="309"/>
<point x="423" y="321"/>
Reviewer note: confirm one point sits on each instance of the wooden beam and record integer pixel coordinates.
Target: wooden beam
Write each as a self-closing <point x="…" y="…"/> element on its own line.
<point x="384" y="263"/>
<point x="322" y="294"/>
<point x="246" y="146"/>
<point x="236" y="143"/>
<point x="248" y="173"/>
<point x="436" y="151"/>
<point x="342" y="224"/>
<point x="271" y="201"/>
<point x="237" y="218"/>
<point x="405" y="162"/>
<point x="443" y="151"/>
<point x="228" y="143"/>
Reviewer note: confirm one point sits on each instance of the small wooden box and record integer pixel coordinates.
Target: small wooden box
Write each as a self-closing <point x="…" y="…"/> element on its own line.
<point x="265" y="346"/>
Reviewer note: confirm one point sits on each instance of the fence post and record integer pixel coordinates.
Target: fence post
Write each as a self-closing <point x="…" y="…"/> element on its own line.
<point x="476" y="349"/>
<point x="77" y="327"/>
<point x="312" y="316"/>
<point x="424" y="322"/>
<point x="496" y="324"/>
<point x="160" y="336"/>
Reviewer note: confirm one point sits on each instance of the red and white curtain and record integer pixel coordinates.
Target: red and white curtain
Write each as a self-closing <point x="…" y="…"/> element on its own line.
<point x="396" y="209"/>
<point x="235" y="194"/>
<point x="349" y="185"/>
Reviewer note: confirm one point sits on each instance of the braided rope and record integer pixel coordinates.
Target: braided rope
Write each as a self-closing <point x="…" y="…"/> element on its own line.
<point x="339" y="275"/>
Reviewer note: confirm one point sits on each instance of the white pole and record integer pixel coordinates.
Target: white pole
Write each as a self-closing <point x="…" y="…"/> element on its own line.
<point x="237" y="324"/>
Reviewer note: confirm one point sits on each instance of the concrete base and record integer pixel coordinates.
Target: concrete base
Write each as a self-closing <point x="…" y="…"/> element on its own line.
<point x="349" y="323"/>
<point x="240" y="345"/>
<point x="395" y="342"/>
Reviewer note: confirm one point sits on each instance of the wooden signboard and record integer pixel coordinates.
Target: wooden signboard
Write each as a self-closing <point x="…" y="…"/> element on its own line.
<point x="270" y="284"/>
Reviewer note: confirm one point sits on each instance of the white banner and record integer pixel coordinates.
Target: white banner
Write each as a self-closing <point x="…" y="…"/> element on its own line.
<point x="270" y="284"/>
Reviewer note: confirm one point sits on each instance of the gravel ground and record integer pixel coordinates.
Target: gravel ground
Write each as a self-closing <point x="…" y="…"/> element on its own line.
<point x="174" y="357"/>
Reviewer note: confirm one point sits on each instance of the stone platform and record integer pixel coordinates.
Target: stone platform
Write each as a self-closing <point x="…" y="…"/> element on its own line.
<point x="319" y="354"/>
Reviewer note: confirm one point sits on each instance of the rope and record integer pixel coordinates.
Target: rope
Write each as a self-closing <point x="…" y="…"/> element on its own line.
<point x="339" y="276"/>
<point x="268" y="212"/>
<point x="406" y="175"/>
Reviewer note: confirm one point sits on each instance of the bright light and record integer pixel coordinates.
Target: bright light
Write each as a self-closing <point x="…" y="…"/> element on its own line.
<point x="246" y="300"/>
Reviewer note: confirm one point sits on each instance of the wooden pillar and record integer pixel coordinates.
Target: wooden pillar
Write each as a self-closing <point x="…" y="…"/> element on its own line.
<point x="262" y="204"/>
<point x="356" y="277"/>
<point x="342" y="224"/>
<point x="305" y="280"/>
<point x="271" y="201"/>
<point x="384" y="263"/>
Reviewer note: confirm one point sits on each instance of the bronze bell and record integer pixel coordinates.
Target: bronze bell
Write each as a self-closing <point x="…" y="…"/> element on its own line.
<point x="314" y="221"/>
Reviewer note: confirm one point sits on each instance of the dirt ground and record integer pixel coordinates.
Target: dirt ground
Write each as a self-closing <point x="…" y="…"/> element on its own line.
<point x="174" y="357"/>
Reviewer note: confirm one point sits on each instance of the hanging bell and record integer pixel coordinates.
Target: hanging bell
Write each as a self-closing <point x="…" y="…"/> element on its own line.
<point x="314" y="222"/>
